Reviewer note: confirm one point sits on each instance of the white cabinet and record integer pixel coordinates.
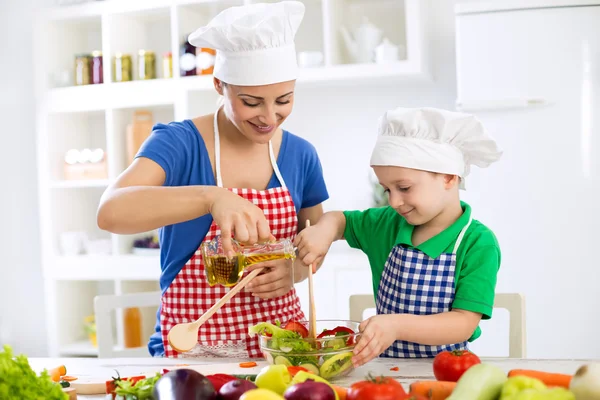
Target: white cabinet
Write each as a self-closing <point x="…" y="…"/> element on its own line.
<point x="96" y="115"/>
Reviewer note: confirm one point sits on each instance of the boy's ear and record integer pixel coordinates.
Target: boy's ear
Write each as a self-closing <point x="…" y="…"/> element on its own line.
<point x="451" y="180"/>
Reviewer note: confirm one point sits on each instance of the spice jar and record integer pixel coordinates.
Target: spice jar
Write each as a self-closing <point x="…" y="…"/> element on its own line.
<point x="146" y="65"/>
<point x="122" y="68"/>
<point x="97" y="68"/>
<point x="205" y="61"/>
<point x="83" y="70"/>
<point x="168" y="65"/>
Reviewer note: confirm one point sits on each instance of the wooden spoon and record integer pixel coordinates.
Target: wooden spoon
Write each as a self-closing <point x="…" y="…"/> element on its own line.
<point x="312" y="330"/>
<point x="184" y="337"/>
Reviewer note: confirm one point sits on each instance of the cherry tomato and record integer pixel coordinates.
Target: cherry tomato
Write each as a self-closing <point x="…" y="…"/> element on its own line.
<point x="297" y="327"/>
<point x="379" y="388"/>
<point x="450" y="365"/>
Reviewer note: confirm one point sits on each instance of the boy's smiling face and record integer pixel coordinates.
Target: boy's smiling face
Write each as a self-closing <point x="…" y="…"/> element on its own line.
<point x="419" y="196"/>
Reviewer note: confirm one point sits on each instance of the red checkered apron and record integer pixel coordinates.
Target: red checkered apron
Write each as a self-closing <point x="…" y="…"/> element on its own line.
<point x="225" y="334"/>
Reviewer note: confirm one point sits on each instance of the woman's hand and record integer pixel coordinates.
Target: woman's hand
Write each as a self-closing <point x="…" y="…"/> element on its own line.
<point x="240" y="219"/>
<point x="275" y="280"/>
<point x="376" y="335"/>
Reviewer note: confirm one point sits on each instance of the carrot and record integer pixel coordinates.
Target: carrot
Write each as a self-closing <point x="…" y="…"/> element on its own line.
<point x="248" y="364"/>
<point x="434" y="390"/>
<point x="550" y="379"/>
<point x="341" y="391"/>
<point x="68" y="378"/>
<point x="56" y="373"/>
<point x="394" y="369"/>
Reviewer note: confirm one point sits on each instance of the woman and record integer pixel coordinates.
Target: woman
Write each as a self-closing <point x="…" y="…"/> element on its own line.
<point x="234" y="173"/>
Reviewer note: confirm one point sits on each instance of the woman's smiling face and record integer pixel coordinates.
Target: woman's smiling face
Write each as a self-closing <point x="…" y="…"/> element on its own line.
<point x="257" y="111"/>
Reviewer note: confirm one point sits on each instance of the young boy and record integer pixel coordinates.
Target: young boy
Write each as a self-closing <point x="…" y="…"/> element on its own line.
<point x="434" y="267"/>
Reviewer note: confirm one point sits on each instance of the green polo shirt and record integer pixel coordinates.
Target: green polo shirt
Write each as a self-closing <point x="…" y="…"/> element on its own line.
<point x="377" y="230"/>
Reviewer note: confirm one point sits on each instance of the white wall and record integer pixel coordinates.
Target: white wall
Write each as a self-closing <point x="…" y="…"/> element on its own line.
<point x="338" y="122"/>
<point x="22" y="322"/>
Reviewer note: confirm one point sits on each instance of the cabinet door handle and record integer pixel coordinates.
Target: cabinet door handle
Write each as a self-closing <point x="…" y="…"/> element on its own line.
<point x="500" y="104"/>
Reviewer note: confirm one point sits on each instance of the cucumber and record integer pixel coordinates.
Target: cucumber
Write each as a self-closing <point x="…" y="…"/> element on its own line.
<point x="479" y="382"/>
<point x="283" y="360"/>
<point x="336" y="365"/>
<point x="311" y="368"/>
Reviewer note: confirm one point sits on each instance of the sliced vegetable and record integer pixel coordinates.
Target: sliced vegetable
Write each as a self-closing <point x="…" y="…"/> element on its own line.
<point x="434" y="390"/>
<point x="138" y="389"/>
<point x="64" y="384"/>
<point x="343" y="331"/>
<point x="283" y="361"/>
<point x="297" y="327"/>
<point x="310" y="367"/>
<point x="395" y="369"/>
<point x="248" y="364"/>
<point x="550" y="379"/>
<point x="57" y="372"/>
<point x="68" y="378"/>
<point x="336" y="365"/>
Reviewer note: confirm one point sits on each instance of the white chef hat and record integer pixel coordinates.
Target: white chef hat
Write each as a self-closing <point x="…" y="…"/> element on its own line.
<point x="254" y="43"/>
<point x="433" y="140"/>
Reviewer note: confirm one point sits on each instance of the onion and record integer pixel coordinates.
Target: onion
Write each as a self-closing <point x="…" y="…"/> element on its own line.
<point x="585" y="384"/>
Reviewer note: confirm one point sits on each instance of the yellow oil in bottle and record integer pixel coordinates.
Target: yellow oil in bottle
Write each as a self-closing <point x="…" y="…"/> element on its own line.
<point x="228" y="272"/>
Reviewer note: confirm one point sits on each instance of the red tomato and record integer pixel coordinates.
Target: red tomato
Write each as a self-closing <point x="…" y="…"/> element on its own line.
<point x="379" y="388"/>
<point x="297" y="327"/>
<point x="450" y="365"/>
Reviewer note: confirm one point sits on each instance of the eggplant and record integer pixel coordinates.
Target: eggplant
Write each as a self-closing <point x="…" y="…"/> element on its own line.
<point x="184" y="384"/>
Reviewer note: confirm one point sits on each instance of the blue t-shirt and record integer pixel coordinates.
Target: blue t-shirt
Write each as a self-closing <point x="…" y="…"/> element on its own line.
<point x="180" y="150"/>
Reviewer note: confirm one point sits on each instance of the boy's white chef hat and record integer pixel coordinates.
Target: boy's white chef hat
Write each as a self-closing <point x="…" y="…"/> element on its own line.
<point x="433" y="140"/>
<point x="254" y="43"/>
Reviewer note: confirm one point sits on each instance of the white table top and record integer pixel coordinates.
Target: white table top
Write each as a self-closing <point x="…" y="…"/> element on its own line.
<point x="409" y="370"/>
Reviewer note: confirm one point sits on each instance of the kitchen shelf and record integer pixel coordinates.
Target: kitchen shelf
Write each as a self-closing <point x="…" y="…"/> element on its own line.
<point x="105" y="267"/>
<point x="97" y="116"/>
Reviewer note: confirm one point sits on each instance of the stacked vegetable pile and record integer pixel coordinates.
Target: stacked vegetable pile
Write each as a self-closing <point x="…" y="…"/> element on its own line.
<point x="460" y="375"/>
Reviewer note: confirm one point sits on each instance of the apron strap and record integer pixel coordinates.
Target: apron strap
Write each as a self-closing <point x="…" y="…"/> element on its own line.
<point x="218" y="156"/>
<point x="217" y="149"/>
<point x="461" y="235"/>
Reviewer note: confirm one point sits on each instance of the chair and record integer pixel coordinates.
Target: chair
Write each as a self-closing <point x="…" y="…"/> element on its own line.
<point x="103" y="306"/>
<point x="514" y="303"/>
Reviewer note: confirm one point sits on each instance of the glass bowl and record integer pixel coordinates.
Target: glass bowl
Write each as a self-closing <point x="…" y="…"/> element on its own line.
<point x="329" y="355"/>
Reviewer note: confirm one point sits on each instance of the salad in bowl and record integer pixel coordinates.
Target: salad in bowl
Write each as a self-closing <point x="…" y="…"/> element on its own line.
<point x="329" y="355"/>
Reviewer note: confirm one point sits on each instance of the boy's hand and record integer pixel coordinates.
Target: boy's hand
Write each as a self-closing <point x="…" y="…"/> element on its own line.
<point x="377" y="334"/>
<point x="313" y="243"/>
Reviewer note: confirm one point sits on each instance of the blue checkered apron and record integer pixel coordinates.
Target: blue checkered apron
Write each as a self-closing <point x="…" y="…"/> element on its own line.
<point x="413" y="283"/>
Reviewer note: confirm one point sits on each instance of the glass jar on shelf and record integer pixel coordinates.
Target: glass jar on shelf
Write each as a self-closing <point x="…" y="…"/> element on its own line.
<point x="146" y="65"/>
